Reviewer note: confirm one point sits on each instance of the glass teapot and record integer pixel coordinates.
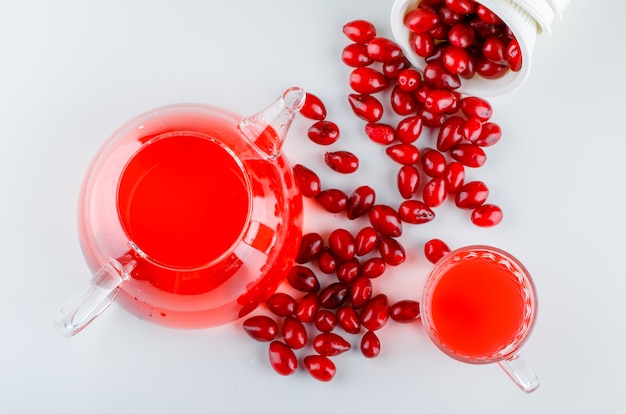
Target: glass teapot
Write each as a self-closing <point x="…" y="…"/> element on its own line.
<point x="189" y="216"/>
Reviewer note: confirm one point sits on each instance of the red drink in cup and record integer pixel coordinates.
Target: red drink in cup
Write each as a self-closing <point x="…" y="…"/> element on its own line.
<point x="479" y="306"/>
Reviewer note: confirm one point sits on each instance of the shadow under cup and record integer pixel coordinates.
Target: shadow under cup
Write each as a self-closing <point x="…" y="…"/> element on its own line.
<point x="479" y="306"/>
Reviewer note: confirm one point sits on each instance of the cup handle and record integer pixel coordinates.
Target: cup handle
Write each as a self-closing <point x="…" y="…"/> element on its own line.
<point x="99" y="293"/>
<point x="523" y="376"/>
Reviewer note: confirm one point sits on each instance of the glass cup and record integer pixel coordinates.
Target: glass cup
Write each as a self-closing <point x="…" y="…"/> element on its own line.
<point x="479" y="306"/>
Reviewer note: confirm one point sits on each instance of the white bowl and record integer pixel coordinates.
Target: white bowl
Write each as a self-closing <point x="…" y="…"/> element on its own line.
<point x="527" y="19"/>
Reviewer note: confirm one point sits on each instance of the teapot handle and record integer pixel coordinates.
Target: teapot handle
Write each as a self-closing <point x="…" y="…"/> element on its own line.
<point x="99" y="293"/>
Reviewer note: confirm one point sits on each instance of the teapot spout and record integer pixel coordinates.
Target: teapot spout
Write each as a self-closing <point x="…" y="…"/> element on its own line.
<point x="268" y="128"/>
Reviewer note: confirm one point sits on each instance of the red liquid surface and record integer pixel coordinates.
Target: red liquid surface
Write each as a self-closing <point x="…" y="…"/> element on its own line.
<point x="183" y="200"/>
<point x="477" y="308"/>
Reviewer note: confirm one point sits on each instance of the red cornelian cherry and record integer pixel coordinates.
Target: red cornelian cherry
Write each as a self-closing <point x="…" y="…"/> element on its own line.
<point x="455" y="59"/>
<point x="323" y="132"/>
<point x="487" y="215"/>
<point x="359" y="31"/>
<point x="454" y="176"/>
<point x="355" y="55"/>
<point x="450" y="133"/>
<point x="471" y="195"/>
<point x="405" y="311"/>
<point x="261" y="327"/>
<point x="366" y="80"/>
<point x="422" y="92"/>
<point x="313" y="108"/>
<point x="435" y="249"/>
<point x="385" y="220"/>
<point x="342" y="244"/>
<point x="282" y="358"/>
<point x="475" y="107"/>
<point x="508" y="34"/>
<point x="494" y="49"/>
<point x="310" y="246"/>
<point x="415" y="212"/>
<point x="380" y="133"/>
<point x="440" y="101"/>
<point x="348" y="271"/>
<point x="360" y="202"/>
<point x="462" y="6"/>
<point x="440" y="30"/>
<point x="513" y="56"/>
<point x="330" y="344"/>
<point x="392" y="69"/>
<point x="333" y="200"/>
<point x="461" y="35"/>
<point x="470" y="71"/>
<point x="423" y="44"/>
<point x="320" y="367"/>
<point x="485" y="30"/>
<point x="334" y="295"/>
<point x="421" y="20"/>
<point x="439" y="77"/>
<point x="403" y="102"/>
<point x="281" y="304"/>
<point x="303" y="279"/>
<point x="307" y="307"/>
<point x="409" y="129"/>
<point x="325" y="320"/>
<point x="472" y="128"/>
<point x="449" y="17"/>
<point x="373" y="267"/>
<point x="308" y="181"/>
<point x="409" y="79"/>
<point x="348" y="319"/>
<point x="405" y="154"/>
<point x="294" y="333"/>
<point x="456" y="103"/>
<point x="366" y="240"/>
<point x="366" y="107"/>
<point x="440" y="34"/>
<point x="383" y="50"/>
<point x="433" y="163"/>
<point x="490" y="70"/>
<point x="375" y="312"/>
<point x="470" y="155"/>
<point x="487" y="15"/>
<point x="408" y="181"/>
<point x="343" y="162"/>
<point x="360" y="291"/>
<point x="490" y="134"/>
<point x="431" y="119"/>
<point x="434" y="193"/>
<point x="391" y="251"/>
<point x="326" y="261"/>
<point x="370" y="345"/>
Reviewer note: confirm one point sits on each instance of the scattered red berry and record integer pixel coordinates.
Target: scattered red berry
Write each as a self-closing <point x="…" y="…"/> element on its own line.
<point x="458" y="38"/>
<point x="260" y="327"/>
<point x="282" y="358"/>
<point x="405" y="311"/>
<point x="435" y="249"/>
<point x="320" y="367"/>
<point x="370" y="345"/>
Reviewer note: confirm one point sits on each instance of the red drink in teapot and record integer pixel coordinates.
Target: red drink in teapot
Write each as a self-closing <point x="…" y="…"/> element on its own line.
<point x="189" y="216"/>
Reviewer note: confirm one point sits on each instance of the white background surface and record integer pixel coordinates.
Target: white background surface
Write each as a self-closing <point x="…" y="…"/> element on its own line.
<point x="71" y="72"/>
